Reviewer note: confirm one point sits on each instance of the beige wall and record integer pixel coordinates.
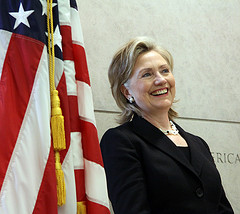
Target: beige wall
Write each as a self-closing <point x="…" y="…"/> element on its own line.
<point x="204" y="39"/>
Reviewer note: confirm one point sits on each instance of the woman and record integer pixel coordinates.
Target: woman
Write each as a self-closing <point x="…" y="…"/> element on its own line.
<point x="152" y="164"/>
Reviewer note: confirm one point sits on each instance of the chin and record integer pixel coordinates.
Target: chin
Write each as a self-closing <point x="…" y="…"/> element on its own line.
<point x="166" y="104"/>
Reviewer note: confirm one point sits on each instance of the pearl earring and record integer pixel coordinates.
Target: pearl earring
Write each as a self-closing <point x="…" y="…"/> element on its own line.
<point x="131" y="100"/>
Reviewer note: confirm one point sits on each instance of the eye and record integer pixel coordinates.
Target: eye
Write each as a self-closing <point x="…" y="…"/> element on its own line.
<point x="164" y="71"/>
<point x="147" y="74"/>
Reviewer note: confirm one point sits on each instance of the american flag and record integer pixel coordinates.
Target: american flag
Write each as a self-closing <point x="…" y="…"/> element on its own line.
<point x="27" y="163"/>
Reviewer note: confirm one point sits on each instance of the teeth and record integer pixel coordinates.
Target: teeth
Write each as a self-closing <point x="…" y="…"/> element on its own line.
<point x="160" y="92"/>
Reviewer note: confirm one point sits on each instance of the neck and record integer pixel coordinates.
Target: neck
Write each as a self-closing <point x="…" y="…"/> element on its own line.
<point x="160" y="121"/>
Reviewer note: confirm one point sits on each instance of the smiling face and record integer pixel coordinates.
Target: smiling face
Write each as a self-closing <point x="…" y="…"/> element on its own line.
<point x="152" y="84"/>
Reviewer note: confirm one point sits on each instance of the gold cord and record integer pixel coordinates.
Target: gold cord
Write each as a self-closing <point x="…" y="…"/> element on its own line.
<point x="57" y="119"/>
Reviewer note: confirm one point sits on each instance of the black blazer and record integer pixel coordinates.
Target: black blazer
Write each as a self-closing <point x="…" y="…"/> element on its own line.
<point x="147" y="173"/>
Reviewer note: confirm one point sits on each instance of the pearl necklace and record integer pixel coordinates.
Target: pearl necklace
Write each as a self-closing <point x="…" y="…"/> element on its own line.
<point x="174" y="130"/>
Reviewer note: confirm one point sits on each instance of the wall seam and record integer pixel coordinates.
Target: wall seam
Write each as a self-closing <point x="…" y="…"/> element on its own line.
<point x="183" y="118"/>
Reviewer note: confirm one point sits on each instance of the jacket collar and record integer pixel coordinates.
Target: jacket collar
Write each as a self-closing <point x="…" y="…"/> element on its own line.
<point x="154" y="136"/>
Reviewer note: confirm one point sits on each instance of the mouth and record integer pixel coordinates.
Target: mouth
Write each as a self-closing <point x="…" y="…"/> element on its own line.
<point x="160" y="92"/>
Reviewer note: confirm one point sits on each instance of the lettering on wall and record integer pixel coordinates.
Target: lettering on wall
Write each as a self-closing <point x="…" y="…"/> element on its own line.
<point x="226" y="158"/>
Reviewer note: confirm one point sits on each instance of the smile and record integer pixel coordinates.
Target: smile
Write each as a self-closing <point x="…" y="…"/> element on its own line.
<point x="160" y="92"/>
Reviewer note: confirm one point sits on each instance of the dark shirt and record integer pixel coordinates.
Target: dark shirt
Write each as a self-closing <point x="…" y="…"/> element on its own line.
<point x="186" y="152"/>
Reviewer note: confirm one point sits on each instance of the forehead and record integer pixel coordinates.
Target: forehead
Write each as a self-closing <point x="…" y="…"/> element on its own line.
<point x="150" y="59"/>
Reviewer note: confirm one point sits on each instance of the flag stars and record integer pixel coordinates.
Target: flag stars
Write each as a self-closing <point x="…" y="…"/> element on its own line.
<point x="44" y="6"/>
<point x="57" y="38"/>
<point x="21" y="16"/>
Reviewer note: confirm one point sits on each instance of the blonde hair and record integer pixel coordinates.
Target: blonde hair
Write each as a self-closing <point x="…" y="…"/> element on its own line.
<point x="121" y="68"/>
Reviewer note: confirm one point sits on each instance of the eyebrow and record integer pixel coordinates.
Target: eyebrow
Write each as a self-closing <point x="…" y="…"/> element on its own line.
<point x="149" y="69"/>
<point x="164" y="66"/>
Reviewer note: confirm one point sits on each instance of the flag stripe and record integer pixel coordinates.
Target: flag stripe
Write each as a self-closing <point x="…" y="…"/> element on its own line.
<point x="95" y="181"/>
<point x="4" y="46"/>
<point x="96" y="208"/>
<point x="76" y="27"/>
<point x="67" y="42"/>
<point x="74" y="116"/>
<point x="85" y="102"/>
<point x="31" y="151"/>
<point x="80" y="64"/>
<point x="47" y="198"/>
<point x="95" y="185"/>
<point x="80" y="184"/>
<point x="76" y="144"/>
<point x="16" y="84"/>
<point x="62" y="90"/>
<point x="64" y="13"/>
<point x="59" y="70"/>
<point x="70" y="77"/>
<point x="89" y="138"/>
<point x="68" y="169"/>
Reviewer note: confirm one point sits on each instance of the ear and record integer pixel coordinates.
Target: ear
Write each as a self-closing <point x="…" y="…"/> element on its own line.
<point x="125" y="91"/>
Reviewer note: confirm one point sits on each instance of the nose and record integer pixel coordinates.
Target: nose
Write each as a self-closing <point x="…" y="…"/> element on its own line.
<point x="160" y="80"/>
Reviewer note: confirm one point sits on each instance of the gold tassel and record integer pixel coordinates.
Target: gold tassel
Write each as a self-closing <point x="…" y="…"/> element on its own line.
<point x="81" y="207"/>
<point x="58" y="137"/>
<point x="57" y="123"/>
<point x="61" y="190"/>
<point x="57" y="119"/>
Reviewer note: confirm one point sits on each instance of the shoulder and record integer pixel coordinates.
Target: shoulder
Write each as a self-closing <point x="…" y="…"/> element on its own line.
<point x="120" y="132"/>
<point x="118" y="146"/>
<point x="119" y="136"/>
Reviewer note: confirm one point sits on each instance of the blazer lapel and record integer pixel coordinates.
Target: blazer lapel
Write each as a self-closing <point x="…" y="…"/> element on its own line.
<point x="154" y="136"/>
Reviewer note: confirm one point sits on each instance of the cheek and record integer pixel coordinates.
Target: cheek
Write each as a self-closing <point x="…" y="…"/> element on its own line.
<point x="173" y="92"/>
<point x="139" y="89"/>
<point x="172" y="81"/>
<point x="172" y="85"/>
